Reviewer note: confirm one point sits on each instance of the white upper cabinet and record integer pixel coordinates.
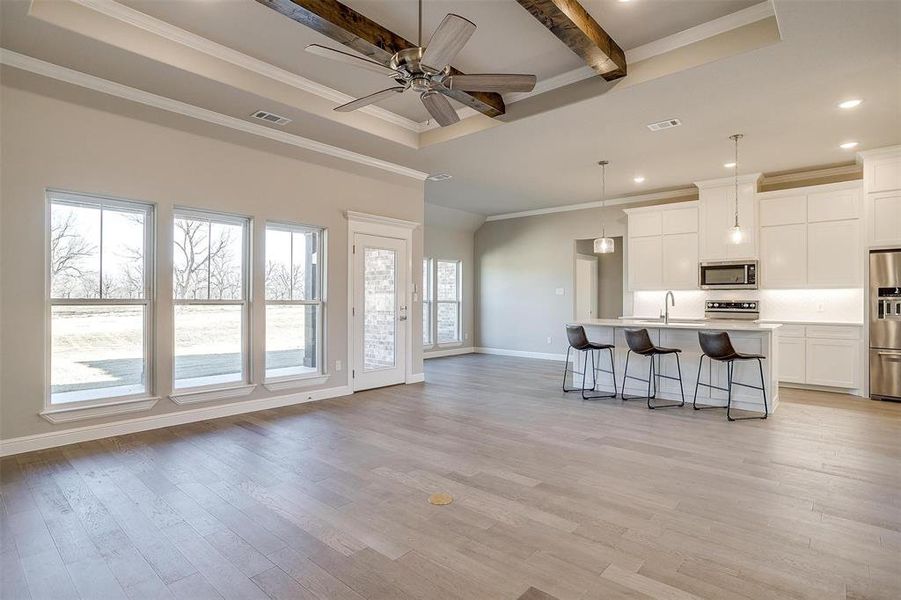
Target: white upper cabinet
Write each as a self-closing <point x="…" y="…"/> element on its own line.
<point x="663" y="247"/>
<point x="811" y="237"/>
<point x="716" y="200"/>
<point x="882" y="185"/>
<point x="833" y="254"/>
<point x="783" y="253"/>
<point x="680" y="261"/>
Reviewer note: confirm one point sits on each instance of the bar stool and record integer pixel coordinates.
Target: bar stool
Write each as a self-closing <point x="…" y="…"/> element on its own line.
<point x="717" y="346"/>
<point x="578" y="341"/>
<point x="640" y="343"/>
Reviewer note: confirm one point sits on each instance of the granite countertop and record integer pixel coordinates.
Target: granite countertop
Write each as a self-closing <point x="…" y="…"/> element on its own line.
<point x="699" y="324"/>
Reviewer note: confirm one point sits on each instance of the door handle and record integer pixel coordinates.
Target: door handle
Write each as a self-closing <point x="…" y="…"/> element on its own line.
<point x="403" y="314"/>
<point x="883" y="353"/>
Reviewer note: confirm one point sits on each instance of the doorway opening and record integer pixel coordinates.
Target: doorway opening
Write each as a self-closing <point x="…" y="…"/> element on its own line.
<point x="598" y="282"/>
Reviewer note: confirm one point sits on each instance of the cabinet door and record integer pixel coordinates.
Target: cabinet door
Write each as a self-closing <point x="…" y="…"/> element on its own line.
<point x="717" y="216"/>
<point x="679" y="220"/>
<point x="838" y="205"/>
<point x="833" y="254"/>
<point x="645" y="263"/>
<point x="680" y="261"/>
<point x="783" y="210"/>
<point x="883" y="174"/>
<point x="783" y="256"/>
<point x="834" y="363"/>
<point x="885" y="218"/>
<point x="642" y="224"/>
<point x="792" y="363"/>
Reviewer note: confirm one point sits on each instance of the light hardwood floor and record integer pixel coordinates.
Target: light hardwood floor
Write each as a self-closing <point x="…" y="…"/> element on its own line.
<point x="555" y="497"/>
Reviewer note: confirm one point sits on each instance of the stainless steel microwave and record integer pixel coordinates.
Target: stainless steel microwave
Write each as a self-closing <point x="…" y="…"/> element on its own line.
<point x="728" y="275"/>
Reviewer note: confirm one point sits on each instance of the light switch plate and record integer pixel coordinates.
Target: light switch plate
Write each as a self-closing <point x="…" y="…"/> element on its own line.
<point x="560" y="291"/>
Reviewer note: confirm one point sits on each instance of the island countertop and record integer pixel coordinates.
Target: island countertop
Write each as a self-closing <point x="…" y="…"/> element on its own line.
<point x="698" y="325"/>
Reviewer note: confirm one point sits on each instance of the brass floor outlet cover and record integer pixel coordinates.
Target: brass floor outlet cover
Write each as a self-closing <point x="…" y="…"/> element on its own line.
<point x="441" y="499"/>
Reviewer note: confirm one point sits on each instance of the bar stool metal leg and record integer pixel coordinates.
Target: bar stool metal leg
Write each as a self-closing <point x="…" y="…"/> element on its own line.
<point x="653" y="376"/>
<point x="762" y="388"/>
<point x="594" y="371"/>
<point x="583" y="372"/>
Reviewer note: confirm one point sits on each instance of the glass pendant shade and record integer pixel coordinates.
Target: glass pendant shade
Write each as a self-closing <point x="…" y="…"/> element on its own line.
<point x="736" y="235"/>
<point x="604" y="245"/>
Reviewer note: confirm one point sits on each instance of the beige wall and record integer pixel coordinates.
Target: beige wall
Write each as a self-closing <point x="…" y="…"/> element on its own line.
<point x="449" y="234"/>
<point x="520" y="263"/>
<point x="57" y="136"/>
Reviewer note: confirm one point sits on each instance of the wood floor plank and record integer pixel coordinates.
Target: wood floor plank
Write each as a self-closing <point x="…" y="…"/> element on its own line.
<point x="554" y="498"/>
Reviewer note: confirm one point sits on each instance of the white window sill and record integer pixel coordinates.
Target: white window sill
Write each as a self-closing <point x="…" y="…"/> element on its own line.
<point x="65" y="414"/>
<point x="449" y="345"/>
<point x="195" y="396"/>
<point x="294" y="383"/>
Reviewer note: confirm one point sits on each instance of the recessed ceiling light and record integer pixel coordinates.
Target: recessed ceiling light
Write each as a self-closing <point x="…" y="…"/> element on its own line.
<point x="439" y="177"/>
<point x="638" y="179"/>
<point x="729" y="165"/>
<point x="853" y="103"/>
<point x="848" y="145"/>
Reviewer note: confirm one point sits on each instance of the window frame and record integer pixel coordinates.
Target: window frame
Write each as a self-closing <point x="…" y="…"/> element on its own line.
<point x="428" y="299"/>
<point x="433" y="299"/>
<point x="321" y="286"/>
<point x="56" y="196"/>
<point x="246" y="354"/>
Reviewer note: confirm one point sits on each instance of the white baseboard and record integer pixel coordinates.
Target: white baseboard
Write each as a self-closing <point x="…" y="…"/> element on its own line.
<point x="53" y="439"/>
<point x="823" y="388"/>
<point x="448" y="352"/>
<point x="415" y="378"/>
<point x="521" y="353"/>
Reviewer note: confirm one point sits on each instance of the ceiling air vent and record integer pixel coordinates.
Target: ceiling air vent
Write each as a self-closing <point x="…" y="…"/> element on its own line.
<point x="664" y="124"/>
<point x="439" y="177"/>
<point x="269" y="117"/>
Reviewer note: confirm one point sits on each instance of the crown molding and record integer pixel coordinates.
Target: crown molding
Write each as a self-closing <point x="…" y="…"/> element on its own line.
<point x="724" y="181"/>
<point x="888" y="151"/>
<point x="53" y="71"/>
<point x="649" y="197"/>
<point x="135" y="18"/>
<point x="801" y="176"/>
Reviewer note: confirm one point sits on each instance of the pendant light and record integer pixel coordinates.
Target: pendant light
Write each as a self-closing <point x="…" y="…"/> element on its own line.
<point x="736" y="235"/>
<point x="603" y="244"/>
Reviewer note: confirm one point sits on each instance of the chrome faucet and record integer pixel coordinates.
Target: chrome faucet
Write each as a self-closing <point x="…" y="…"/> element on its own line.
<point x="669" y="295"/>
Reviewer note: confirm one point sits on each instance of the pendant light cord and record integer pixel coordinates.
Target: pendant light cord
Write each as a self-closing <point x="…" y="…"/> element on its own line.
<point x="603" y="164"/>
<point x="736" y="137"/>
<point x="419" y="42"/>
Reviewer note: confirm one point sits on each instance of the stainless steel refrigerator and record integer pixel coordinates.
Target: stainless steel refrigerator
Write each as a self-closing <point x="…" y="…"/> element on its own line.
<point x="885" y="324"/>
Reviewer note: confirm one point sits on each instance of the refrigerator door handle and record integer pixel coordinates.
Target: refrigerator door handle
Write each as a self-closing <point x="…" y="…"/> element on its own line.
<point x="884" y="353"/>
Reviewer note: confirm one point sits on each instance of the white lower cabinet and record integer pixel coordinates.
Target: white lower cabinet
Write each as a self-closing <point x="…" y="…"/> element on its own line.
<point x="834" y="363"/>
<point x="792" y="360"/>
<point x="823" y="355"/>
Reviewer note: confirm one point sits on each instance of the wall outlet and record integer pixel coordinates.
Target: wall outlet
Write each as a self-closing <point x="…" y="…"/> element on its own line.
<point x="548" y="339"/>
<point x="338" y="365"/>
<point x="559" y="291"/>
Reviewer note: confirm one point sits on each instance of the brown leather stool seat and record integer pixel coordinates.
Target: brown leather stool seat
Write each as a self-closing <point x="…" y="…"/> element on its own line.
<point x="578" y="341"/>
<point x="639" y="342"/>
<point x="717" y="345"/>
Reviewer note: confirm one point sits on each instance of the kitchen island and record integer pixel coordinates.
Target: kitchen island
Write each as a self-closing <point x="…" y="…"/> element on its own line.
<point x="747" y="336"/>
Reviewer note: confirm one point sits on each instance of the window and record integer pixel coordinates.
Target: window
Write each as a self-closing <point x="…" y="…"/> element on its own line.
<point x="294" y="272"/>
<point x="427" y="302"/>
<point x="100" y="275"/>
<point x="447" y="313"/>
<point x="209" y="280"/>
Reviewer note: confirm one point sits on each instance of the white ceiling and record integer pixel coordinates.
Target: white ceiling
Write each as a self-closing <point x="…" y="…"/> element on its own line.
<point x="782" y="96"/>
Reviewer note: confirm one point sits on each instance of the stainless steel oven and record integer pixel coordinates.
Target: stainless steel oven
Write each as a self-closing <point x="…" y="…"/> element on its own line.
<point x="728" y="275"/>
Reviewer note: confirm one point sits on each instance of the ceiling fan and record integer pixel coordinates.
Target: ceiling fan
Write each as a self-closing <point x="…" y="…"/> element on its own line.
<point x="426" y="70"/>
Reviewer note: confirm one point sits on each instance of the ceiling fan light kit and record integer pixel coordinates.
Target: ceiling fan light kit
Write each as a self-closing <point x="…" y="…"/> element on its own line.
<point x="426" y="70"/>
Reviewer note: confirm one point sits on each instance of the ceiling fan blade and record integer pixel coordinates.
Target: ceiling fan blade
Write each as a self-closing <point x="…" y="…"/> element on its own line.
<point x="440" y="108"/>
<point x="450" y="37"/>
<point x="491" y="83"/>
<point x="367" y="100"/>
<point x="351" y="59"/>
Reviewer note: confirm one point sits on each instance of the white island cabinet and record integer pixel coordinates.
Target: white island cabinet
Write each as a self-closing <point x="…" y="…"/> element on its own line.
<point x="749" y="337"/>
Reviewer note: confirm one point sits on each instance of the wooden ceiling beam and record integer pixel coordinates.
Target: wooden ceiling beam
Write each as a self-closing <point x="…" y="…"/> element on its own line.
<point x="581" y="33"/>
<point x="346" y="26"/>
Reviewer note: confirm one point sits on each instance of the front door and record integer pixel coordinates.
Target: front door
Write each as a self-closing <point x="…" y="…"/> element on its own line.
<point x="379" y="311"/>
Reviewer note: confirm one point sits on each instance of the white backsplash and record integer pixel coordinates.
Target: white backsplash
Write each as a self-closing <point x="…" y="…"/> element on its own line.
<point x="829" y="305"/>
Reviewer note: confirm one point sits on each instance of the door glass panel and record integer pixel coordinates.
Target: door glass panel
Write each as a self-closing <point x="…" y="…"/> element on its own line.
<point x="379" y="334"/>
